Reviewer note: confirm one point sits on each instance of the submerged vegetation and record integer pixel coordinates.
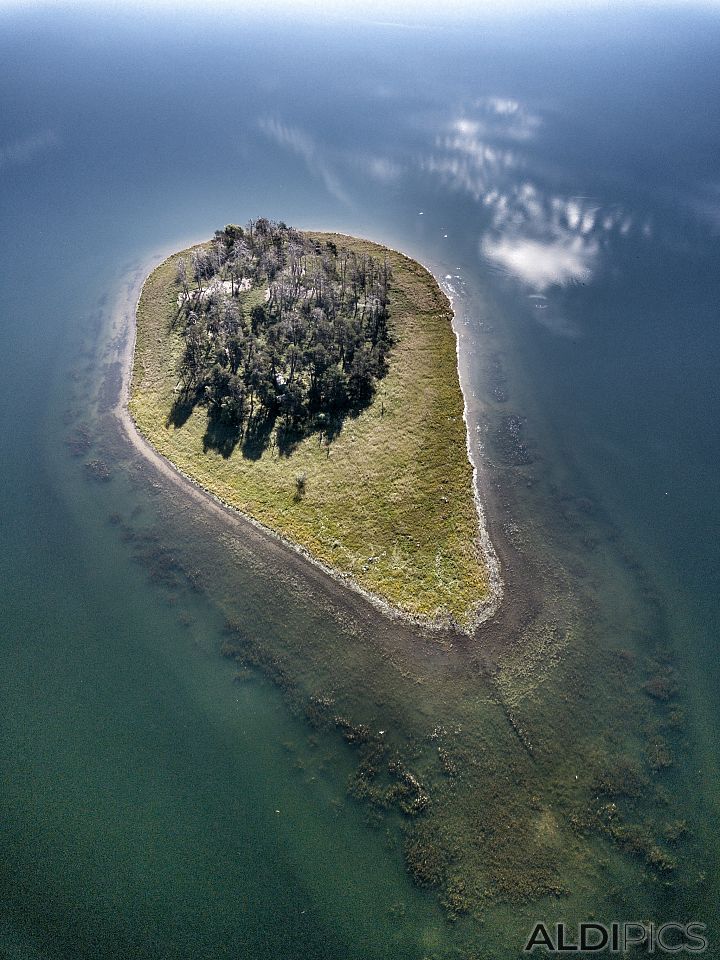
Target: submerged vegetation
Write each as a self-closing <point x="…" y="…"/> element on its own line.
<point x="535" y="770"/>
<point x="495" y="831"/>
<point x="310" y="381"/>
<point x="530" y="768"/>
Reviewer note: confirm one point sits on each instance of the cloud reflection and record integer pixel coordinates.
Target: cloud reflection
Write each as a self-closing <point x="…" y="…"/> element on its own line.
<point x="379" y="168"/>
<point x="706" y="206"/>
<point x="539" y="237"/>
<point x="540" y="263"/>
<point x="302" y="144"/>
<point x="508" y="118"/>
<point x="545" y="240"/>
<point x="24" y="150"/>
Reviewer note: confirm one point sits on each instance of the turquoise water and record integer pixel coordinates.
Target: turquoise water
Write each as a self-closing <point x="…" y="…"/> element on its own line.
<point x="562" y="175"/>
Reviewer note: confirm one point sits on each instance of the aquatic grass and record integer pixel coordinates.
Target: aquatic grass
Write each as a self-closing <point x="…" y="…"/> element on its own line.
<point x="477" y="759"/>
<point x="521" y="769"/>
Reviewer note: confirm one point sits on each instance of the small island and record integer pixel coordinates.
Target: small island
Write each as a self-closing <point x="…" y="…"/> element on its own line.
<point x="309" y="380"/>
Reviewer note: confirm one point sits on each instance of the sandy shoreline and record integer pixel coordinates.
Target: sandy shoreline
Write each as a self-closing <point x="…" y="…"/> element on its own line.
<point x="125" y="322"/>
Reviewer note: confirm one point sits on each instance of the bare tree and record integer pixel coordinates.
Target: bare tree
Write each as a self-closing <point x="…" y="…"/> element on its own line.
<point x="181" y="276"/>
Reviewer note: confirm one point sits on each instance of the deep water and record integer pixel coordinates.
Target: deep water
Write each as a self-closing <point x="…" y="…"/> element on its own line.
<point x="561" y="175"/>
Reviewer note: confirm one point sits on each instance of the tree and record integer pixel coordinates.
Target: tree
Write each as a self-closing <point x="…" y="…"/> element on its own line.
<point x="361" y="381"/>
<point x="202" y="265"/>
<point x="314" y="349"/>
<point x="181" y="276"/>
<point x="292" y="403"/>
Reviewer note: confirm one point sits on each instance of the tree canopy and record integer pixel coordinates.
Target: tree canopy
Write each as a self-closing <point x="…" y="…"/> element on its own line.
<point x="279" y="330"/>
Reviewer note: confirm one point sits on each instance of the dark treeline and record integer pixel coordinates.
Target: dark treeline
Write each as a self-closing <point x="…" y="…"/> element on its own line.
<point x="307" y="354"/>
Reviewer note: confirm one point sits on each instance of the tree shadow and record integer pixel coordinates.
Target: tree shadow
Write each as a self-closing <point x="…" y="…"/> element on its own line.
<point x="290" y="436"/>
<point x="326" y="427"/>
<point x="257" y="436"/>
<point x="222" y="437"/>
<point x="332" y="427"/>
<point x="179" y="313"/>
<point x="258" y="433"/>
<point x="181" y="409"/>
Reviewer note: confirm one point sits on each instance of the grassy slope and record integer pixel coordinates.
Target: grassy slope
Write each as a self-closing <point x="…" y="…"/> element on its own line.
<point x="397" y="486"/>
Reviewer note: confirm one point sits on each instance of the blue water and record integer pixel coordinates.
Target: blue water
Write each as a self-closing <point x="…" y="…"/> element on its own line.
<point x="563" y="173"/>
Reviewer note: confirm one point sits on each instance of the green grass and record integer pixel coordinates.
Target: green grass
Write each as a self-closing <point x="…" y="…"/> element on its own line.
<point x="390" y="501"/>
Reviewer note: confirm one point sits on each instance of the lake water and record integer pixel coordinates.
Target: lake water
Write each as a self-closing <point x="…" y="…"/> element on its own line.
<point x="561" y="176"/>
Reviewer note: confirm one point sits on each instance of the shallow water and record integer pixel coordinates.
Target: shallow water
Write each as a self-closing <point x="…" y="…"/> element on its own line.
<point x="562" y="176"/>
